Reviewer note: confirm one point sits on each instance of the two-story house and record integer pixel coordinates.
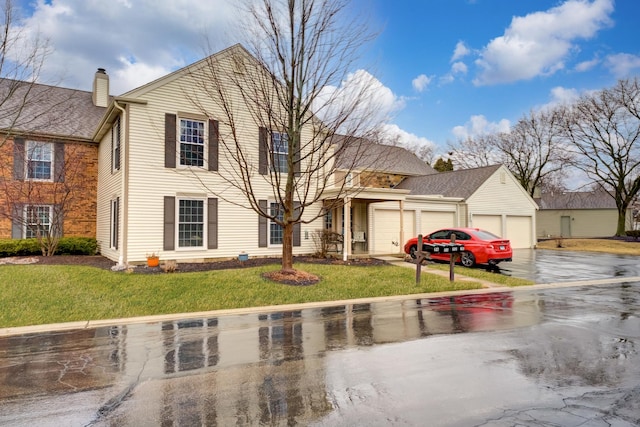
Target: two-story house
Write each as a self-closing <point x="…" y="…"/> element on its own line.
<point x="158" y="181"/>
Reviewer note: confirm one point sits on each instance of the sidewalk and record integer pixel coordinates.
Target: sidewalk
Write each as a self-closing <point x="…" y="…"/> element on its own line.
<point x="400" y="262"/>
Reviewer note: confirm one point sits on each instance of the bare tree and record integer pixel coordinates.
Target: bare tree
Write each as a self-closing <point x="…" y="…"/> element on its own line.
<point x="475" y="152"/>
<point x="310" y="126"/>
<point x="604" y="128"/>
<point x="535" y="150"/>
<point x="21" y="60"/>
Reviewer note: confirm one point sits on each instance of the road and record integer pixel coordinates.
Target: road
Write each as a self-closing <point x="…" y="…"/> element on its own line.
<point x="542" y="356"/>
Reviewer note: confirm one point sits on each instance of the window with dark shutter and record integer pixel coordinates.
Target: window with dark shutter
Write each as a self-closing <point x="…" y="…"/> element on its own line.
<point x="213" y="144"/>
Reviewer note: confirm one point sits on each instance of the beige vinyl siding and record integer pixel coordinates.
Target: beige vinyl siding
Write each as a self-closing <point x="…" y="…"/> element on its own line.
<point x="585" y="223"/>
<point x="109" y="187"/>
<point x="501" y="196"/>
<point x="150" y="181"/>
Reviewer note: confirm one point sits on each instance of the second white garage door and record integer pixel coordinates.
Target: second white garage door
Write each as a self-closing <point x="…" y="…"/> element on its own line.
<point x="386" y="230"/>
<point x="433" y="220"/>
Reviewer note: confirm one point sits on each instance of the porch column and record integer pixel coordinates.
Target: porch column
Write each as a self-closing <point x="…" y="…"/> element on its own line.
<point x="401" y="242"/>
<point x="346" y="214"/>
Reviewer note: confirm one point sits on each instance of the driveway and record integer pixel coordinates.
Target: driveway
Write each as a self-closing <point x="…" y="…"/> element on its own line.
<point x="549" y="266"/>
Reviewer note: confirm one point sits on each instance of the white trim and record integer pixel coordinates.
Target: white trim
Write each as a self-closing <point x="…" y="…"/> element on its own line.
<point x="25" y="216"/>
<point x="179" y="142"/>
<point x="203" y="246"/>
<point x="27" y="158"/>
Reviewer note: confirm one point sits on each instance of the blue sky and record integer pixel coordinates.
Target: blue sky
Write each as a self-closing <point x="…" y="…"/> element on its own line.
<point x="449" y="68"/>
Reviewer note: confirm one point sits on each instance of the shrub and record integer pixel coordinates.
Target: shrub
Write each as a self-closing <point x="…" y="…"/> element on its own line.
<point x="633" y="233"/>
<point x="66" y="246"/>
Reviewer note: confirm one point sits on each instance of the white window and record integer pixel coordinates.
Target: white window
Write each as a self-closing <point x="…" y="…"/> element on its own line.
<point x="115" y="222"/>
<point x="39" y="160"/>
<point x="115" y="145"/>
<point x="38" y="221"/>
<point x="190" y="223"/>
<point x="192" y="137"/>
<point x="276" y="231"/>
<point x="279" y="151"/>
<point x="348" y="180"/>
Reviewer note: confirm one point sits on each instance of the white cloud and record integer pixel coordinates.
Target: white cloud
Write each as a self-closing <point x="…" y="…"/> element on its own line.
<point x="368" y="102"/>
<point x="561" y="95"/>
<point x="460" y="51"/>
<point x="459" y="68"/>
<point x="421" y="82"/>
<point x="446" y="79"/>
<point x="539" y="43"/>
<point x="479" y="125"/>
<point x="623" y="64"/>
<point x="587" y="65"/>
<point x="151" y="35"/>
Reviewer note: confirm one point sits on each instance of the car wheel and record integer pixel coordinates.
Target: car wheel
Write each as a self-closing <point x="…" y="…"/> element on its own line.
<point x="467" y="259"/>
<point x="412" y="251"/>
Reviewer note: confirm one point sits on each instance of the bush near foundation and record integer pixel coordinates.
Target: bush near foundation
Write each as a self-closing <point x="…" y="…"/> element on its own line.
<point x="66" y="246"/>
<point x="633" y="233"/>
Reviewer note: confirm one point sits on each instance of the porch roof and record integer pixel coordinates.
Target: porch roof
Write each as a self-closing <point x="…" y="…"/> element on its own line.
<point x="373" y="194"/>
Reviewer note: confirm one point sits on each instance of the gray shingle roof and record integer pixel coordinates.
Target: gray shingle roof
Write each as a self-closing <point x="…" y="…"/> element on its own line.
<point x="576" y="200"/>
<point x="47" y="110"/>
<point x="462" y="183"/>
<point x="360" y="154"/>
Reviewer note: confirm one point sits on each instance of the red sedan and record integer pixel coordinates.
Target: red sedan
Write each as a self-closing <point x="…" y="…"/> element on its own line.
<point x="480" y="246"/>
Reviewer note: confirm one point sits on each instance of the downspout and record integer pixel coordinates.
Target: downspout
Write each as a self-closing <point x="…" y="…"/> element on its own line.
<point x="122" y="257"/>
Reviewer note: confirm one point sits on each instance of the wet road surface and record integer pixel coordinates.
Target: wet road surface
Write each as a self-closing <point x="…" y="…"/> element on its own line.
<point x="559" y="356"/>
<point x="549" y="266"/>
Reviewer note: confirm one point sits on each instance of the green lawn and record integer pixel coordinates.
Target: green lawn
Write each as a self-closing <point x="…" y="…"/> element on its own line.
<point x="40" y="294"/>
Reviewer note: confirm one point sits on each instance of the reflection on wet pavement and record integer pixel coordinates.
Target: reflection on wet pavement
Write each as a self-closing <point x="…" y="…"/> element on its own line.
<point x="563" y="356"/>
<point x="549" y="266"/>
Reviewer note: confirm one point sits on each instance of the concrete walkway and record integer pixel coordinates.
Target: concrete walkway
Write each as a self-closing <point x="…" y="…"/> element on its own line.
<point x="400" y="262"/>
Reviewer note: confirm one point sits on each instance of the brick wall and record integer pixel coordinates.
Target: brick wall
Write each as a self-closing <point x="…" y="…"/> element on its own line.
<point x="77" y="194"/>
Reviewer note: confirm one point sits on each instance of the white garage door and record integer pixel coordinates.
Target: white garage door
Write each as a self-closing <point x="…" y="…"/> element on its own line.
<point x="432" y="221"/>
<point x="386" y="230"/>
<point x="491" y="223"/>
<point x="519" y="231"/>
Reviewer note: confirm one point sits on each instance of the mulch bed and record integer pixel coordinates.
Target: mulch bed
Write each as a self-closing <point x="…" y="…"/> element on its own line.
<point x="105" y="263"/>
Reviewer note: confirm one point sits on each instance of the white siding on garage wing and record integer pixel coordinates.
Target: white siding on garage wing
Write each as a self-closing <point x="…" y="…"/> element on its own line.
<point x="502" y="196"/>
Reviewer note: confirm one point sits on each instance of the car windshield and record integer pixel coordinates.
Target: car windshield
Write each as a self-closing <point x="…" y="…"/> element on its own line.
<point x="485" y="235"/>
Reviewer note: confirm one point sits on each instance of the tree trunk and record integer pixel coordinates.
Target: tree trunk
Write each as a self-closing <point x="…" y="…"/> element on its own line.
<point x="622" y="223"/>
<point x="287" y="248"/>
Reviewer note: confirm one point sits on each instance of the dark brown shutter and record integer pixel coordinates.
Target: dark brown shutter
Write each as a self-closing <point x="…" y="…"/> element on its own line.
<point x="169" y="235"/>
<point x="58" y="162"/>
<point x="17" y="221"/>
<point x="214" y="136"/>
<point x="18" y="159"/>
<point x="169" y="140"/>
<point x="263" y="151"/>
<point x="296" y="226"/>
<point x="212" y="223"/>
<point x="262" y="226"/>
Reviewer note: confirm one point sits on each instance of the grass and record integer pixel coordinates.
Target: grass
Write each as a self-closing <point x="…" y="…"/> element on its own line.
<point x="482" y="274"/>
<point x="40" y="294"/>
<point x="610" y="246"/>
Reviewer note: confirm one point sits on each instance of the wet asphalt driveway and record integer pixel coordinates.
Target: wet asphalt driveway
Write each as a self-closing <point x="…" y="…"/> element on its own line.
<point x="549" y="266"/>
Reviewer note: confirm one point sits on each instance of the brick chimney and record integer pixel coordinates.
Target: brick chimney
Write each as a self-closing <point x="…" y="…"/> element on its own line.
<point x="101" y="88"/>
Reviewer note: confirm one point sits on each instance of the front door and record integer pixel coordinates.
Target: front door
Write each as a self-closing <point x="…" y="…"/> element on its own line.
<point x="565" y="226"/>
